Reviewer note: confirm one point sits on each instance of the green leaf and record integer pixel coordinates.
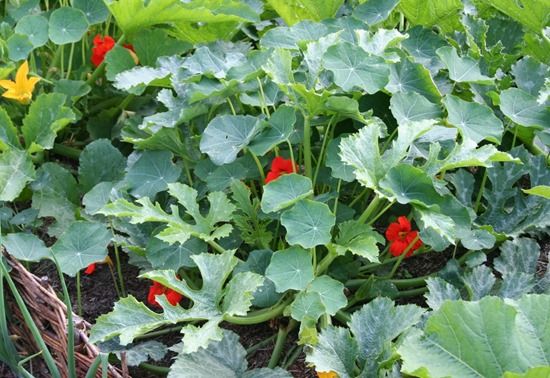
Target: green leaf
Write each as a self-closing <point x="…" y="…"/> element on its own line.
<point x="82" y="244"/>
<point x="142" y="352"/>
<point x="331" y="293"/>
<point x="539" y="190"/>
<point x="46" y="117"/>
<point x="100" y="161"/>
<point x="67" y="25"/>
<point x="278" y="67"/>
<point x="150" y="44"/>
<point x="216" y="59"/>
<point x="128" y="319"/>
<point x="294" y="36"/>
<point x="257" y="262"/>
<point x="226" y="135"/>
<point x="35" y="27"/>
<point x="285" y="192"/>
<point x="307" y="305"/>
<point x="290" y="269"/>
<point x="225" y="358"/>
<point x="223" y="176"/>
<point x="353" y="68"/>
<point x="537" y="372"/>
<point x="406" y="76"/>
<point x="162" y="255"/>
<point x="19" y="47"/>
<point x="240" y="293"/>
<point x="97" y="197"/>
<point x="460" y="338"/>
<point x="118" y="60"/>
<point x="411" y="107"/>
<point x="26" y="247"/>
<point x="532" y="14"/>
<point x="480" y="280"/>
<point x="462" y="69"/>
<point x="440" y="291"/>
<point x="338" y="168"/>
<point x="293" y="11"/>
<point x="523" y="108"/>
<point x="379" y="322"/>
<point x="281" y="127"/>
<point x="409" y="184"/>
<point x="308" y="223"/>
<point x="476" y="122"/>
<point x="8" y="132"/>
<point x="530" y="75"/>
<point x="336" y="351"/>
<point x="151" y="173"/>
<point x="443" y="13"/>
<point x="517" y="264"/>
<point x="16" y="170"/>
<point x="373" y="12"/>
<point x="422" y="44"/>
<point x="95" y="11"/>
<point x="359" y="239"/>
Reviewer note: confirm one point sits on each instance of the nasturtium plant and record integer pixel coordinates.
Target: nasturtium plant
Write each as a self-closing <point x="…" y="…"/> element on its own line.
<point x="360" y="182"/>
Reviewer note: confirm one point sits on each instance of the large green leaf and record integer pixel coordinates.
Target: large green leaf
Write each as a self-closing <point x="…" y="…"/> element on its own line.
<point x="480" y="339"/>
<point x="308" y="223"/>
<point x="19" y="47"/>
<point x="151" y="173"/>
<point x="411" y="107"/>
<point x="47" y="116"/>
<point x="225" y="358"/>
<point x="67" y="25"/>
<point x="290" y="269"/>
<point x="293" y="11"/>
<point x="476" y="122"/>
<point x="353" y="68"/>
<point x="16" y="170"/>
<point x="373" y="12"/>
<point x="359" y="239"/>
<point x="100" y="161"/>
<point x="444" y="13"/>
<point x="35" y="27"/>
<point x="151" y="44"/>
<point x="281" y="127"/>
<point x="406" y="76"/>
<point x="285" y="191"/>
<point x="532" y="14"/>
<point x="8" y="132"/>
<point x="95" y="10"/>
<point x="26" y="247"/>
<point x="462" y="69"/>
<point x="225" y="136"/>
<point x="82" y="244"/>
<point x="523" y="108"/>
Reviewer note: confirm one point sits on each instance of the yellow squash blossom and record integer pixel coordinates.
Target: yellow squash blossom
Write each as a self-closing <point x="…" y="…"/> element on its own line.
<point x="21" y="89"/>
<point x="327" y="374"/>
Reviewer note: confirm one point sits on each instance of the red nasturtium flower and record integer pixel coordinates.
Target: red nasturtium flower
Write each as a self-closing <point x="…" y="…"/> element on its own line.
<point x="400" y="235"/>
<point x="90" y="269"/>
<point x="157" y="288"/>
<point x="102" y="45"/>
<point x="280" y="166"/>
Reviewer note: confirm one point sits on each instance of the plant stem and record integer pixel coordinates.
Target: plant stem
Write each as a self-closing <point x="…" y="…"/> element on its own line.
<point x="261" y="344"/>
<point x="480" y="192"/>
<point x="323" y="146"/>
<point x="258" y="164"/>
<point x="370" y="209"/>
<point x="70" y="66"/>
<point x="380" y="213"/>
<point x="357" y="198"/>
<point x="160" y="370"/>
<point x="410" y="293"/>
<point x="159" y="332"/>
<point x="402" y="283"/>
<point x="66" y="151"/>
<point x="290" y="359"/>
<point x="327" y="260"/>
<point x="307" y="145"/>
<point x="260" y="316"/>
<point x="216" y="246"/>
<point x="291" y="151"/>
<point x="279" y="344"/>
<point x="78" y="295"/>
<point x="119" y="268"/>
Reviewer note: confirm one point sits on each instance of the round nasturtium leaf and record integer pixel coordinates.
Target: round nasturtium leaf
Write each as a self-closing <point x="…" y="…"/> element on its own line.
<point x="67" y="25"/>
<point x="290" y="269"/>
<point x="285" y="191"/>
<point x="308" y="223"/>
<point x="25" y="246"/>
<point x="19" y="47"/>
<point x="95" y="10"/>
<point x="35" y="27"/>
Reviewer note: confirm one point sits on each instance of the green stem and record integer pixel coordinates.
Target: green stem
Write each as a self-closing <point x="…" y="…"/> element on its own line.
<point x="307" y="146"/>
<point x="279" y="344"/>
<point x="295" y="353"/>
<point x="403" y="283"/>
<point x="70" y="66"/>
<point x="480" y="192"/>
<point x="261" y="344"/>
<point x="380" y="213"/>
<point x="323" y="146"/>
<point x="216" y="246"/>
<point x="327" y="260"/>
<point x="159" y="333"/>
<point x="66" y="151"/>
<point x="160" y="370"/>
<point x="373" y="205"/>
<point x="410" y="293"/>
<point x="55" y="61"/>
<point x="258" y="164"/>
<point x="259" y="316"/>
<point x="343" y="317"/>
<point x="119" y="269"/>
<point x="291" y="151"/>
<point x="357" y="198"/>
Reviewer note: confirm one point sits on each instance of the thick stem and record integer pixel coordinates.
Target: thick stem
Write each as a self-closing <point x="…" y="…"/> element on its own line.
<point x="66" y="151"/>
<point x="259" y="316"/>
<point x="279" y="344"/>
<point x="327" y="260"/>
<point x="402" y="256"/>
<point x="307" y="146"/>
<point x="261" y="344"/>
<point x="370" y="209"/>
<point x="78" y="295"/>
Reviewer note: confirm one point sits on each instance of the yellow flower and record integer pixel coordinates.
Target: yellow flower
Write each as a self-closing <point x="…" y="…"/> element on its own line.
<point x="327" y="374"/>
<point x="21" y="89"/>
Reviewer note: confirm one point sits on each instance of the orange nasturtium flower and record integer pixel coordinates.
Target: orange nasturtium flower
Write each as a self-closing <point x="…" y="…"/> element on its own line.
<point x="21" y="89"/>
<point x="327" y="374"/>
